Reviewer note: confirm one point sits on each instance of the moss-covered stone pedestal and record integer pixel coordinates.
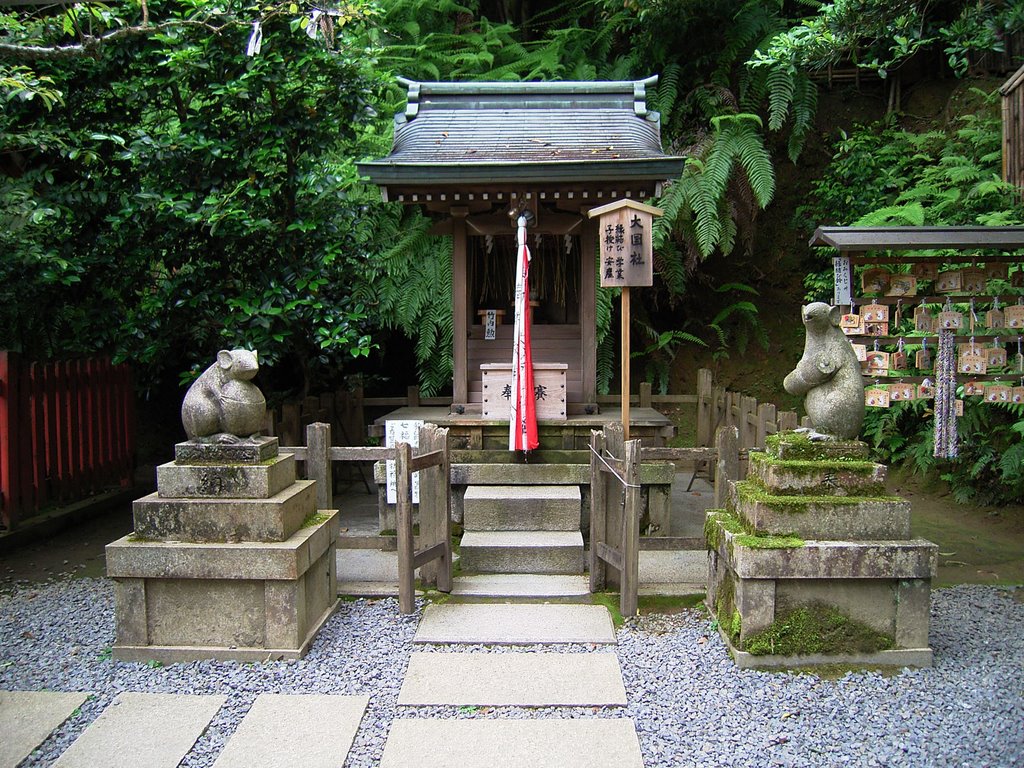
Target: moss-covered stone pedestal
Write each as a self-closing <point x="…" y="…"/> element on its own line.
<point x="230" y="559"/>
<point x="811" y="563"/>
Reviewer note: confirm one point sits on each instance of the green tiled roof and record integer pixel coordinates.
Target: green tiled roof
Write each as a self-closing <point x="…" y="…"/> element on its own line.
<point x="459" y="133"/>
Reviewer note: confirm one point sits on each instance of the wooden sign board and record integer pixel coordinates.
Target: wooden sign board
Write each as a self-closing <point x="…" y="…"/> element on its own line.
<point x="902" y="285"/>
<point x="997" y="393"/>
<point x="928" y="270"/>
<point x="996" y="357"/>
<point x="972" y="388"/>
<point x="1014" y="316"/>
<point x="996" y="271"/>
<point x="874" y="281"/>
<point x="923" y="359"/>
<point x="949" y="282"/>
<point x="627" y="252"/>
<point x="994" y="318"/>
<point x="972" y="280"/>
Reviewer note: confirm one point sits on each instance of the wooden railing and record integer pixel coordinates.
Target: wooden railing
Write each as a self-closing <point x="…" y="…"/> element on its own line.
<point x="754" y="421"/>
<point x="432" y="461"/>
<point x="67" y="431"/>
<point x="615" y="495"/>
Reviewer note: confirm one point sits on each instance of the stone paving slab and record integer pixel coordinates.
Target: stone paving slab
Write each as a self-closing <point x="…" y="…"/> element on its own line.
<point x="513" y="679"/>
<point x="295" y="731"/>
<point x="142" y="730"/>
<point x="427" y="743"/>
<point x="27" y="719"/>
<point x="508" y="624"/>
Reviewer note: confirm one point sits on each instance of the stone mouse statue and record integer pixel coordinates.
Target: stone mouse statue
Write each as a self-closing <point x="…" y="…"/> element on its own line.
<point x="828" y="375"/>
<point x="223" y="405"/>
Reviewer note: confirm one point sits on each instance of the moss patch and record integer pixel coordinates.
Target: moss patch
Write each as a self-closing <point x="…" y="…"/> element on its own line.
<point x="609" y="600"/>
<point x="668" y="604"/>
<point x="753" y="492"/>
<point x="317" y="518"/>
<point x="817" y="629"/>
<point x="809" y="467"/>
<point x="798" y="446"/>
<point x="719" y="520"/>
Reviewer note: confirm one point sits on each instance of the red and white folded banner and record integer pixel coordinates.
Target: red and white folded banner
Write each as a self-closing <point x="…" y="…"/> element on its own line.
<point x="522" y="428"/>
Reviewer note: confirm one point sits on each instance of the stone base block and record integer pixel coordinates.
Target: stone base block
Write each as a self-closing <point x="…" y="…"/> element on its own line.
<point x="896" y="658"/>
<point x="247" y="601"/>
<point x="795" y="446"/>
<point x="246" y="451"/>
<point x="224" y="520"/>
<point x="818" y="478"/>
<point x="559" y="552"/>
<point x="240" y="481"/>
<point x="881" y="586"/>
<point x="849" y="518"/>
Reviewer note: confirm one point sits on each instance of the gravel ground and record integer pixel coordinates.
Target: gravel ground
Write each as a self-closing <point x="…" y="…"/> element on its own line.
<point x="691" y="706"/>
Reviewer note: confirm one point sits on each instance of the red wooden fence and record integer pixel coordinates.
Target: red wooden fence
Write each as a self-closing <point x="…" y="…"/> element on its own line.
<point x="67" y="430"/>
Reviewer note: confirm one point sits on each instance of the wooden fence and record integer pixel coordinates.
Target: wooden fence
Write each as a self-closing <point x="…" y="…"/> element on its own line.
<point x="433" y="463"/>
<point x="754" y="421"/>
<point x="67" y="430"/>
<point x="615" y="500"/>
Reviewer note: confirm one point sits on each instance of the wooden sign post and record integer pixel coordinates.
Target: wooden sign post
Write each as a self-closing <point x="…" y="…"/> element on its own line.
<point x="627" y="259"/>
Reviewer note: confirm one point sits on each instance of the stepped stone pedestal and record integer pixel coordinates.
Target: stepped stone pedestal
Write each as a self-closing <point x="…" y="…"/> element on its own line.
<point x="811" y="563"/>
<point x="230" y="559"/>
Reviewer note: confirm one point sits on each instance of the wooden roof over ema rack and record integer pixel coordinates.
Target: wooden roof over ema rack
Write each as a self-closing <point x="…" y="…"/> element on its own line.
<point x="847" y="239"/>
<point x="461" y="143"/>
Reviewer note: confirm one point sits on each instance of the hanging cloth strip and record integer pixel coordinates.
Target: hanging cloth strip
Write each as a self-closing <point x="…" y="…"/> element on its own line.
<point x="945" y="396"/>
<point x="522" y="428"/>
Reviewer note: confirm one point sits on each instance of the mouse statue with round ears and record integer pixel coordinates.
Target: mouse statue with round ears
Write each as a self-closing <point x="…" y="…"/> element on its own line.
<point x="223" y="405"/>
<point x="828" y="376"/>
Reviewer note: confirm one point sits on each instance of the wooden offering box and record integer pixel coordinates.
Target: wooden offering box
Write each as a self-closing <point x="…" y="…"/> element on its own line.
<point x="548" y="386"/>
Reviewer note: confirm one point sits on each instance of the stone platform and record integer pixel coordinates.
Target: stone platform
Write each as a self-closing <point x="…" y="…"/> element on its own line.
<point x="811" y="563"/>
<point x="230" y="559"/>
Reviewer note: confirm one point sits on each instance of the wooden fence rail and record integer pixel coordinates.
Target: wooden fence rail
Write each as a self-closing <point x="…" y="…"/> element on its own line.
<point x="754" y="421"/>
<point x="432" y="461"/>
<point x="67" y="430"/>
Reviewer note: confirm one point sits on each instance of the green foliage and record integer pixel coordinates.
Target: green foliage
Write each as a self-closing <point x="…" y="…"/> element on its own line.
<point x="817" y="629"/>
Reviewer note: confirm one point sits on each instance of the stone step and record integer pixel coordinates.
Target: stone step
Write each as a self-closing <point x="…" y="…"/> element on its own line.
<point x="511" y="624"/>
<point x="28" y="717"/>
<point x="142" y="730"/>
<point x="513" y="679"/>
<point x="493" y="743"/>
<point x="522" y="586"/>
<point x="295" y="731"/>
<point x="225" y="520"/>
<point x="522" y="552"/>
<point x="522" y="508"/>
<point x="818" y="478"/>
<point x="838" y="518"/>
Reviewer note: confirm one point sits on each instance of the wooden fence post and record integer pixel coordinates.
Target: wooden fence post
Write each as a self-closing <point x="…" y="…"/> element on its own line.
<point x="630" y="577"/>
<point x="765" y="416"/>
<point x="598" y="511"/>
<point x="787" y="421"/>
<point x="705" y="392"/>
<point x="435" y="508"/>
<point x="318" y="463"/>
<point x="727" y="444"/>
<point x="645" y="394"/>
<point x="412" y="396"/>
<point x="403" y="525"/>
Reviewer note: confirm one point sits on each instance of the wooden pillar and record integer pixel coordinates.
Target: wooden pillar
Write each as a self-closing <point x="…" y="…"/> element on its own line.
<point x="318" y="463"/>
<point x="403" y="527"/>
<point x="460" y="309"/>
<point x="588" y="310"/>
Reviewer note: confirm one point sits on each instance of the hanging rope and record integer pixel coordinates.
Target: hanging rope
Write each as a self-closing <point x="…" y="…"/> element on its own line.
<point x="945" y="396"/>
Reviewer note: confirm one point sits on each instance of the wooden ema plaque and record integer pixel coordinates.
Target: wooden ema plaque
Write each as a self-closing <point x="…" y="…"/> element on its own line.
<point x="972" y="280"/>
<point x="627" y="252"/>
<point x="925" y="392"/>
<point x="973" y="387"/>
<point x="997" y="393"/>
<point x="997" y="271"/>
<point x="949" y="282"/>
<point x="548" y="390"/>
<point x="995" y="318"/>
<point x="876" y="363"/>
<point x="923" y="359"/>
<point x="996" y="357"/>
<point x="1014" y="315"/>
<point x="876" y="397"/>
<point x="1017" y="395"/>
<point x="902" y="285"/>
<point x="901" y="392"/>
<point x="974" y="363"/>
<point x="874" y="313"/>
<point x="928" y="270"/>
<point x="874" y="281"/>
<point x="924" y="321"/>
<point x="951" y="321"/>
